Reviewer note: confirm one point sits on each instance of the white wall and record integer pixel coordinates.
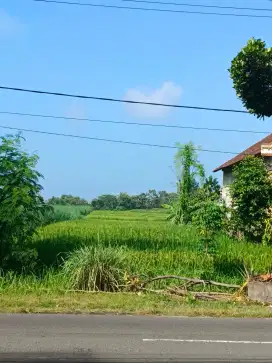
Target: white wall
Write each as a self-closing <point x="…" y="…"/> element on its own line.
<point x="227" y="180"/>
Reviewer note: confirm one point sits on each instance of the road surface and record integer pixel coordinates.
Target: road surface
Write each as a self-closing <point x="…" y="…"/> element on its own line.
<point x="106" y="338"/>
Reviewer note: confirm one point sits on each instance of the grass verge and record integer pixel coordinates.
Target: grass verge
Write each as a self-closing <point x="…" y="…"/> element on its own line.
<point x="124" y="303"/>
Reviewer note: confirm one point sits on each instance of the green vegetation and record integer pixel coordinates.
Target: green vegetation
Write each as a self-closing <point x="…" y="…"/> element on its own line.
<point x="22" y="208"/>
<point x="251" y="192"/>
<point x="67" y="200"/>
<point x="153" y="248"/>
<point x="61" y="213"/>
<point x="149" y="247"/>
<point x="251" y="72"/>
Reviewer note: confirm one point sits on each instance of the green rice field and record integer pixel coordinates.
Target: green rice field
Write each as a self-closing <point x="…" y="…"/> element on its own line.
<point x="153" y="246"/>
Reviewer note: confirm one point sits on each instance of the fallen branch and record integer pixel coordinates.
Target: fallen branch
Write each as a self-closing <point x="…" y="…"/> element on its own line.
<point x="191" y="280"/>
<point x="214" y="296"/>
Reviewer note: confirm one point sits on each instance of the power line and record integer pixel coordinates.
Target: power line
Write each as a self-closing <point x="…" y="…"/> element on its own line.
<point x="109" y="140"/>
<point x="195" y="5"/>
<point x="120" y="100"/>
<point x="131" y="123"/>
<point x="151" y="9"/>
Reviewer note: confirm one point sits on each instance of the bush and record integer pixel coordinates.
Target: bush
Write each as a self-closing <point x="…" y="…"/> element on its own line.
<point x="95" y="268"/>
<point x="209" y="219"/>
<point x="251" y="194"/>
<point x="21" y="205"/>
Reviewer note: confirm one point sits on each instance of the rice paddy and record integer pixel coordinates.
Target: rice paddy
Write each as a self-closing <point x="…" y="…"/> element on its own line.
<point x="97" y="251"/>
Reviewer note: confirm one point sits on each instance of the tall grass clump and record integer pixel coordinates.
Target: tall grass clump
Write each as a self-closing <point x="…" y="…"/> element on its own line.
<point x="62" y="213"/>
<point x="93" y="268"/>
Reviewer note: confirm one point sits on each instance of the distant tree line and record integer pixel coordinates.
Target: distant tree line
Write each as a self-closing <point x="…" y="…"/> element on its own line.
<point x="123" y="201"/>
<point x="67" y="200"/>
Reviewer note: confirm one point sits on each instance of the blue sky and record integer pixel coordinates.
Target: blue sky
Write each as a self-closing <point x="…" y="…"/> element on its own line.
<point x="173" y="58"/>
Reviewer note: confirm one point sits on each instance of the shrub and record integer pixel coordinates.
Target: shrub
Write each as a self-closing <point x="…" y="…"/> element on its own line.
<point x="95" y="268"/>
<point x="21" y="204"/>
<point x="251" y="194"/>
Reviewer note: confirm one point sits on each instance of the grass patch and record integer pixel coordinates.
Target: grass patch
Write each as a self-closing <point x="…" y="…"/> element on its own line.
<point x="150" y="215"/>
<point x="120" y="303"/>
<point x="61" y="213"/>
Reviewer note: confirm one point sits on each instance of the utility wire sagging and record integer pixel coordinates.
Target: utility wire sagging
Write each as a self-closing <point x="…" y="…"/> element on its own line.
<point x="109" y="140"/>
<point x="132" y="123"/>
<point x="158" y="10"/>
<point x="96" y="98"/>
<point x="194" y="5"/>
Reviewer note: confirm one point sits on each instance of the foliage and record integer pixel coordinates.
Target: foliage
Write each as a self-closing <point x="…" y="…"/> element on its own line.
<point x="267" y="235"/>
<point x="251" y="72"/>
<point x="190" y="172"/>
<point x="211" y="188"/>
<point x="150" y="200"/>
<point x="61" y="213"/>
<point x="209" y="212"/>
<point x="153" y="246"/>
<point x="21" y="205"/>
<point x="209" y="218"/>
<point x="105" y="202"/>
<point x="95" y="269"/>
<point x="67" y="200"/>
<point x="251" y="194"/>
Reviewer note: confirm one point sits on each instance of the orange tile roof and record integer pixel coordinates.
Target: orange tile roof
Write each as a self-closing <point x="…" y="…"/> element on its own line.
<point x="252" y="150"/>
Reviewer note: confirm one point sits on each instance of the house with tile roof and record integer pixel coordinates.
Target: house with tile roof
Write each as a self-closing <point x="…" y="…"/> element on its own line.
<point x="262" y="148"/>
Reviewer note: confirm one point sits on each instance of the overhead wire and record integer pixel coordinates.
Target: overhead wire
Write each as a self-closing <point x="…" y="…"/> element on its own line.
<point x="175" y="3"/>
<point x="142" y="124"/>
<point x="96" y="98"/>
<point x="159" y="10"/>
<point x="110" y="140"/>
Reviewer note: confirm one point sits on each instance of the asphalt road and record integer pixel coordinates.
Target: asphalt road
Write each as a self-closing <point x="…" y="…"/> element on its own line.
<point x="106" y="338"/>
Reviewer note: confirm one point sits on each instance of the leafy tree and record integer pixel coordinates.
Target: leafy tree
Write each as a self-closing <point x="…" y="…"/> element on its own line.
<point x="251" y="194"/>
<point x="212" y="188"/>
<point x="67" y="200"/>
<point x="190" y="173"/>
<point x="125" y="202"/>
<point x="140" y="201"/>
<point x="152" y="199"/>
<point x="251" y="72"/>
<point x="21" y="206"/>
<point x="105" y="202"/>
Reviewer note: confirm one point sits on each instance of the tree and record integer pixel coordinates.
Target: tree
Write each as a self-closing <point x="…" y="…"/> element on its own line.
<point x="21" y="206"/>
<point x="140" y="201"/>
<point x="190" y="173"/>
<point x="125" y="202"/>
<point x="251" y="194"/>
<point x="67" y="200"/>
<point x="211" y="188"/>
<point x="251" y="72"/>
<point x="105" y="202"/>
<point x="153" y="200"/>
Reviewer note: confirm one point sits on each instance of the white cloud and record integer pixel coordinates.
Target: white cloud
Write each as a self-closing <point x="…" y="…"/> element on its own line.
<point x="169" y="93"/>
<point x="76" y="110"/>
<point x="9" y="25"/>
